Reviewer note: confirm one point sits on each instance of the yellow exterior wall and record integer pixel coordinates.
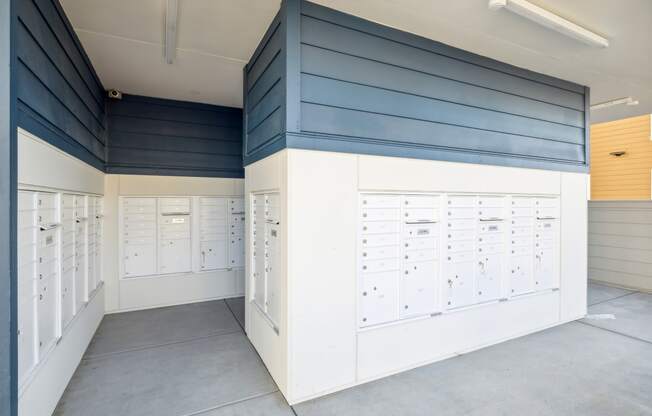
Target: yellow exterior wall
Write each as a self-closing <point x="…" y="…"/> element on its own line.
<point x="627" y="176"/>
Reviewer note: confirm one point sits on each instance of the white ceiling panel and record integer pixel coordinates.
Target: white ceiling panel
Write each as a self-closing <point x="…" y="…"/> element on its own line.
<point x="216" y="37"/>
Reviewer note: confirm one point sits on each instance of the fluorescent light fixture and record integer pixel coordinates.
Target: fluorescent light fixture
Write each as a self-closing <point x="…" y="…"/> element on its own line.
<point x="619" y="101"/>
<point x="171" y="14"/>
<point x="550" y="20"/>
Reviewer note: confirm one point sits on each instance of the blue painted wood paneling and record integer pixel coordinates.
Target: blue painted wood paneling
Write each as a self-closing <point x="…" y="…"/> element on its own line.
<point x="60" y="97"/>
<point x="167" y="137"/>
<point x="265" y="103"/>
<point x="356" y="86"/>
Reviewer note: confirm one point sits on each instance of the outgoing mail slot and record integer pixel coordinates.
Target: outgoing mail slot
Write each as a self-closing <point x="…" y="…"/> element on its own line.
<point x="420" y="201"/>
<point x="380" y="227"/>
<point x="456" y="246"/>
<point x="419" y="255"/>
<point x="377" y="240"/>
<point x="461" y="224"/>
<point x="383" y="265"/>
<point x="461" y="213"/>
<point x="380" y="201"/>
<point x="380" y="214"/>
<point x="385" y="252"/>
<point x="461" y="201"/>
<point x="491" y="201"/>
<point x="420" y="231"/>
<point x="420" y="244"/>
<point x="420" y="215"/>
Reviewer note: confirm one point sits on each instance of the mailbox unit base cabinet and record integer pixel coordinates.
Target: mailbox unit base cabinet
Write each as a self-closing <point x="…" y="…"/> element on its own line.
<point x="369" y="266"/>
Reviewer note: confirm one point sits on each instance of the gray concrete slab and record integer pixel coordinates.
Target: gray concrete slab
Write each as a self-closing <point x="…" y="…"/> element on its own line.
<point x="171" y="380"/>
<point x="268" y="405"/>
<point x="633" y="316"/>
<point x="237" y="306"/>
<point x="153" y="327"/>
<point x="573" y="369"/>
<point x="599" y="293"/>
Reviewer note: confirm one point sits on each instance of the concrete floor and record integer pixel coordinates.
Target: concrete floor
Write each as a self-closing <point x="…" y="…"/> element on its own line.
<point x="196" y="360"/>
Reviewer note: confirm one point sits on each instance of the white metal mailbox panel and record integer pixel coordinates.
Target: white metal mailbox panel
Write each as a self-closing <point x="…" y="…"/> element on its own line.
<point x="81" y="251"/>
<point x="139" y="236"/>
<point x="236" y="230"/>
<point x="27" y="266"/>
<point x="213" y="233"/>
<point x="174" y="233"/>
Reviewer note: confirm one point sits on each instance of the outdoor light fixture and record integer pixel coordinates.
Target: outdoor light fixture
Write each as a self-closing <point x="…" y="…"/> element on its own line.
<point x="171" y="14"/>
<point x="550" y="20"/>
<point x="619" y="101"/>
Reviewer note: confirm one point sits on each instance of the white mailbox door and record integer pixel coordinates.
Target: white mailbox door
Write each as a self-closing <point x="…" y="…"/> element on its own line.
<point x="418" y="289"/>
<point x="544" y="269"/>
<point x="174" y="256"/>
<point x="27" y="353"/>
<point x="459" y="283"/>
<point x="259" y="250"/>
<point x="521" y="275"/>
<point x="47" y="314"/>
<point x="379" y="298"/>
<point x="273" y="278"/>
<point x="489" y="273"/>
<point x="67" y="297"/>
<point x="140" y="260"/>
<point x="213" y="254"/>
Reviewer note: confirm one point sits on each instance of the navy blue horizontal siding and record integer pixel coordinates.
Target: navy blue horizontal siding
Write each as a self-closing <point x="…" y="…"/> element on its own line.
<point x="362" y="83"/>
<point x="265" y="100"/>
<point x="59" y="96"/>
<point x="166" y="137"/>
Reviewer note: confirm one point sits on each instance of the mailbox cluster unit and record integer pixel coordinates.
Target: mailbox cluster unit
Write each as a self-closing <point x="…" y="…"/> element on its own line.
<point x="158" y="237"/>
<point x="265" y="267"/>
<point x="59" y="268"/>
<point x="494" y="247"/>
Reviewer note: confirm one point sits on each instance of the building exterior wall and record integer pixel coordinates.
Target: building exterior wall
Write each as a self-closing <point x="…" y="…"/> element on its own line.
<point x="623" y="177"/>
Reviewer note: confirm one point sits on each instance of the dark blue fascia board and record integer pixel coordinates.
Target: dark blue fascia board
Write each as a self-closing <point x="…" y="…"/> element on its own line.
<point x="162" y="171"/>
<point x="275" y="145"/>
<point x="587" y="128"/>
<point x="364" y="146"/>
<point x="291" y="16"/>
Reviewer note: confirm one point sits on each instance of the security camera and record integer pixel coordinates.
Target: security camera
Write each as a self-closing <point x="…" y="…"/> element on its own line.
<point x="115" y="94"/>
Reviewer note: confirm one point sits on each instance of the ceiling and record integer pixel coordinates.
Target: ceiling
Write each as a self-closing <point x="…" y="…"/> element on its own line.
<point x="217" y="37"/>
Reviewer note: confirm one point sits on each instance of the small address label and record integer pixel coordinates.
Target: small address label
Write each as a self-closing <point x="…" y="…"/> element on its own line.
<point x="178" y="220"/>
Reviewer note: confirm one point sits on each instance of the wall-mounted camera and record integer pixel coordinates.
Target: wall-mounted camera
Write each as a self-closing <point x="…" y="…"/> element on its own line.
<point x="115" y="94"/>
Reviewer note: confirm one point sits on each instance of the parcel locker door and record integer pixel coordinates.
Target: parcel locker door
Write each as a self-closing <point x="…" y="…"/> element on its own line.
<point x="459" y="283"/>
<point x="378" y="298"/>
<point x="521" y="274"/>
<point x="418" y="289"/>
<point x="174" y="256"/>
<point x="273" y="275"/>
<point x="488" y="275"/>
<point x="140" y="260"/>
<point x="258" y="250"/>
<point x="47" y="314"/>
<point x="544" y="269"/>
<point x="213" y="254"/>
<point x="27" y="337"/>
